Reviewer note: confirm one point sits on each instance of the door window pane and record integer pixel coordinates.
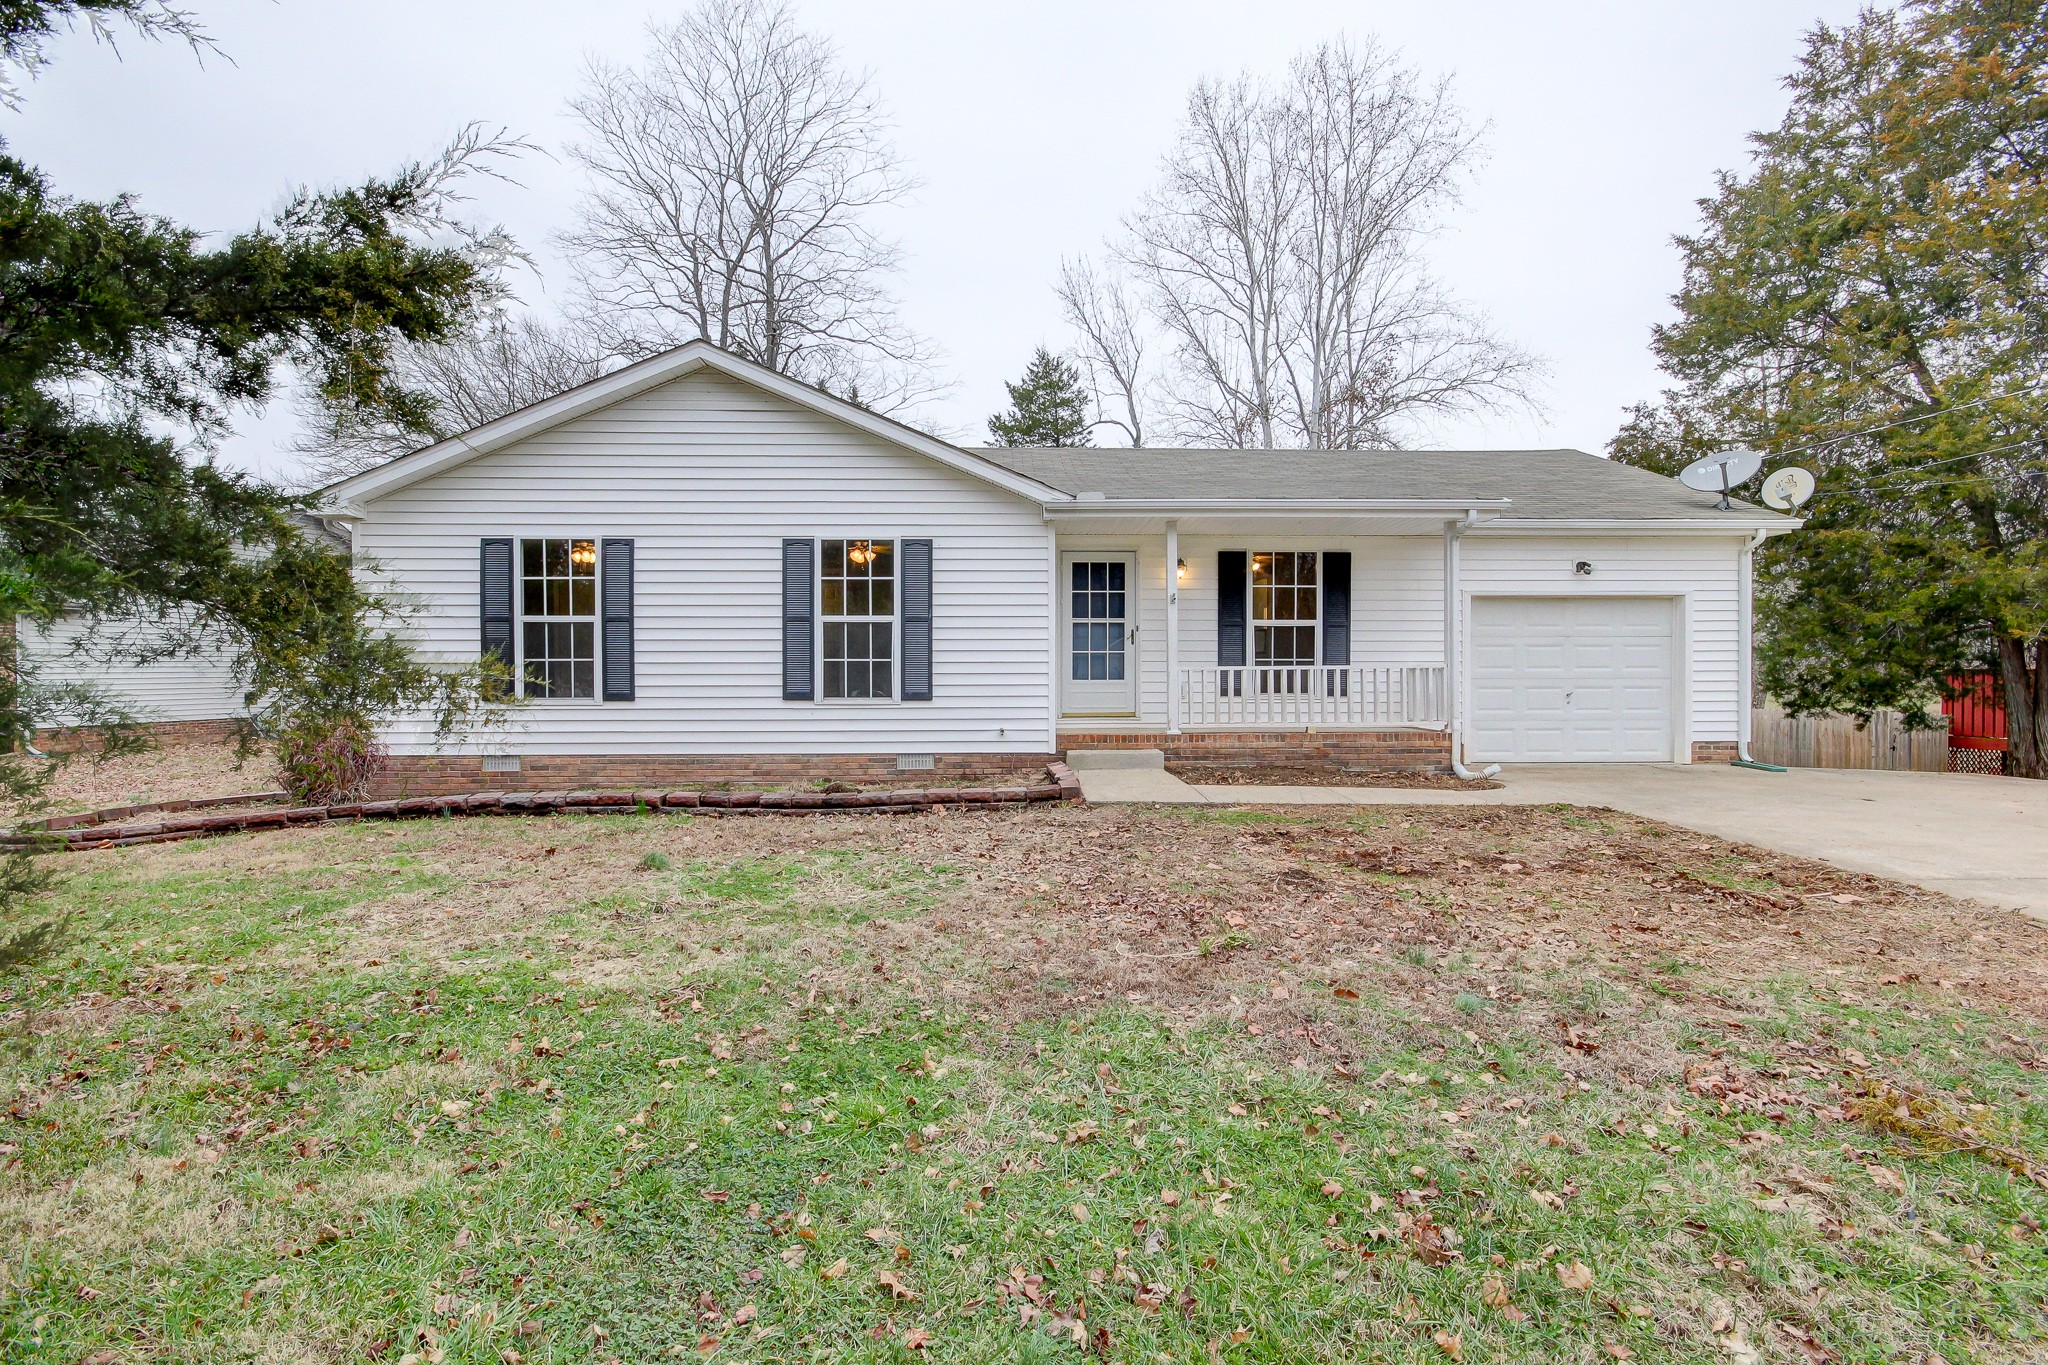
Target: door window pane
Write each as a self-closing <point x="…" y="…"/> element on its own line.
<point x="1096" y="648"/>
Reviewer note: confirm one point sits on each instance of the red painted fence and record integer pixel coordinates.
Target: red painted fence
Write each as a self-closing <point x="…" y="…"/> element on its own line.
<point x="1976" y="723"/>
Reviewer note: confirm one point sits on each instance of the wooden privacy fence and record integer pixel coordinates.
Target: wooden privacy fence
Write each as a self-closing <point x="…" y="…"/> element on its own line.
<point x="1830" y="741"/>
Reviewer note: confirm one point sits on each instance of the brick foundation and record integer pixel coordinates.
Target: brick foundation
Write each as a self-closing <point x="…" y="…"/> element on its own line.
<point x="436" y="775"/>
<point x="1384" y="751"/>
<point x="78" y="739"/>
<point x="1715" y="751"/>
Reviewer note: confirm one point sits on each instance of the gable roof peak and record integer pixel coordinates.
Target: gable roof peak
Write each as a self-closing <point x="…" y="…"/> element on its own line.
<point x="640" y="377"/>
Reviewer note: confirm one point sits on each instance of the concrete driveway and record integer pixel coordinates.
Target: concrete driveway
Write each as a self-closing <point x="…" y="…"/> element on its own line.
<point x="1982" y="837"/>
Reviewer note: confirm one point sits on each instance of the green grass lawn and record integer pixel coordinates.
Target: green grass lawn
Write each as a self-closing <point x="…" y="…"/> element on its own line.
<point x="1053" y="1086"/>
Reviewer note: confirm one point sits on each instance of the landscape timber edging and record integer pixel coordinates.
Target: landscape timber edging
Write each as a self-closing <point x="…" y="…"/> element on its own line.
<point x="99" y="829"/>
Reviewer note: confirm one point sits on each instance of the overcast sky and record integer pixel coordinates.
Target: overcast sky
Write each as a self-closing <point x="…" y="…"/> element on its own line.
<point x="1033" y="126"/>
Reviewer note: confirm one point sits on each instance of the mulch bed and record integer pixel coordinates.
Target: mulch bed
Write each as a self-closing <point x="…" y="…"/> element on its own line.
<point x="116" y="827"/>
<point x="1317" y="775"/>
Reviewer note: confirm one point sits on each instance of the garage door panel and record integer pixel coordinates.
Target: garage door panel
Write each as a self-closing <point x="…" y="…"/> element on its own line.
<point x="1571" y="680"/>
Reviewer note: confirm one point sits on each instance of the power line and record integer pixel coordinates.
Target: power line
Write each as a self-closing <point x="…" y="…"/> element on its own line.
<point x="1902" y="422"/>
<point x="1885" y="486"/>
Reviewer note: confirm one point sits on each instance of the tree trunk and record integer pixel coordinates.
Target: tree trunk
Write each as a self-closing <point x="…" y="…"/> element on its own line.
<point x="2026" y="706"/>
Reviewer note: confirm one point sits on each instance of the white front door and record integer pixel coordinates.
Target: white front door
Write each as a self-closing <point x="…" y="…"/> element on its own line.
<point x="1100" y="603"/>
<point x="1571" y="680"/>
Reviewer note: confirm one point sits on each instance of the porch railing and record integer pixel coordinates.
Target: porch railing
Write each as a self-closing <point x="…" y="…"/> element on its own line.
<point x="1355" y="694"/>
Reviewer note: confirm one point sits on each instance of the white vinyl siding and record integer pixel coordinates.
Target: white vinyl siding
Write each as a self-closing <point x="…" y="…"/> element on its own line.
<point x="187" y="687"/>
<point x="708" y="475"/>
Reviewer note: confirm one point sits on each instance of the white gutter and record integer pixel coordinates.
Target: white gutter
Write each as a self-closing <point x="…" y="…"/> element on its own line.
<point x="1084" y="505"/>
<point x="1770" y="524"/>
<point x="1453" y="597"/>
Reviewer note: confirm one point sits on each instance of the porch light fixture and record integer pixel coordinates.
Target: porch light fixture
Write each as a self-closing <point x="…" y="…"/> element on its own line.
<point x="583" y="554"/>
<point x="860" y="552"/>
<point x="1180" y="571"/>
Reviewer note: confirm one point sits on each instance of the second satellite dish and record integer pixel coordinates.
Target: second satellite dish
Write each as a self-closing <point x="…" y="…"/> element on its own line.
<point x="1787" y="489"/>
<point x="1720" y="473"/>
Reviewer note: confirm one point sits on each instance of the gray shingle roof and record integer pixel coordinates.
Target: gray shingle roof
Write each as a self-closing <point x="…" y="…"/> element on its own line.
<point x="1545" y="484"/>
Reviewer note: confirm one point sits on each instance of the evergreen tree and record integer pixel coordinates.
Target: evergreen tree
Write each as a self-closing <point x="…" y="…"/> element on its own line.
<point x="127" y="341"/>
<point x="1868" y="298"/>
<point x="1048" y="407"/>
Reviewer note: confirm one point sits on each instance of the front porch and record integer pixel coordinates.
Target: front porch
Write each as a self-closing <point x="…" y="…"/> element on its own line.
<point x="1258" y="640"/>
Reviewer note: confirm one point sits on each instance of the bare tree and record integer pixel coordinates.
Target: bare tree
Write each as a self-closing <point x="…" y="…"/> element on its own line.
<point x="501" y="365"/>
<point x="731" y="179"/>
<point x="1112" y="349"/>
<point x="1280" y="258"/>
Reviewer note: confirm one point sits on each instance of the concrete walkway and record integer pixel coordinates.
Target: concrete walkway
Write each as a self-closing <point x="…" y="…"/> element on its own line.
<point x="1981" y="837"/>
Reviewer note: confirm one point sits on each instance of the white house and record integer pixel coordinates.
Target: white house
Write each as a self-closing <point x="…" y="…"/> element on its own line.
<point x="701" y="568"/>
<point x="189" y="693"/>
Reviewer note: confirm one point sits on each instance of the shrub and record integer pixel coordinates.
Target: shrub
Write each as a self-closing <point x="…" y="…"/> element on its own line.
<point x="324" y="760"/>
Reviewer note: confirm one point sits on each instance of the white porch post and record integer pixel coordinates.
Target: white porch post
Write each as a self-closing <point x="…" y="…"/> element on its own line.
<point x="1172" y="627"/>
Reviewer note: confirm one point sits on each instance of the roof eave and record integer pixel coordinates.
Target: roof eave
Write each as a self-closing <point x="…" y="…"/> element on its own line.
<point x="1284" y="506"/>
<point x="1770" y="523"/>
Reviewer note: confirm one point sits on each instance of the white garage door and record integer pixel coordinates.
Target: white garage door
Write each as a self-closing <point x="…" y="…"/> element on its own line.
<point x="1571" y="680"/>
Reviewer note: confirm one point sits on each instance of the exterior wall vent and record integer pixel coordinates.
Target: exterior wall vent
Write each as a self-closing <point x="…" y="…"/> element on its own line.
<point x="915" y="762"/>
<point x="501" y="763"/>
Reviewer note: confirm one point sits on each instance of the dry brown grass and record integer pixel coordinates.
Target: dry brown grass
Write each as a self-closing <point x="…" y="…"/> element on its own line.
<point x="173" y="772"/>
<point x="1258" y="916"/>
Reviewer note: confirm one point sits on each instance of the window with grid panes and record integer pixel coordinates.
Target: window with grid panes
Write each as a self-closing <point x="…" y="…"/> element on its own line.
<point x="558" y="618"/>
<point x="1286" y="608"/>
<point x="857" y="613"/>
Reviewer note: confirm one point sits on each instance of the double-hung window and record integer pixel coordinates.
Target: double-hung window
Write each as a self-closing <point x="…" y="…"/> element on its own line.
<point x="558" y="618"/>
<point x="1286" y="599"/>
<point x="857" y="613"/>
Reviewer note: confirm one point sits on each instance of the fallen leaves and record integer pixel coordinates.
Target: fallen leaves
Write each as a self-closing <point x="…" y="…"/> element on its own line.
<point x="1451" y="1344"/>
<point x="892" y="1284"/>
<point x="1575" y="1275"/>
<point x="836" y="1269"/>
<point x="1432" y="1243"/>
<point x="1575" y="1039"/>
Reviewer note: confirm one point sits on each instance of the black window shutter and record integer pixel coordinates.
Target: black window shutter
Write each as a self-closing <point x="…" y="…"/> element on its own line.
<point x="799" y="606"/>
<point x="616" y="569"/>
<point x="1230" y="609"/>
<point x="917" y="620"/>
<point x="494" y="600"/>
<point x="1337" y="606"/>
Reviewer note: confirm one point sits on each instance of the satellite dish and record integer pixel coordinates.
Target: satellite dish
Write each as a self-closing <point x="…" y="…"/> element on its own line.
<point x="1720" y="473"/>
<point x="1788" y="489"/>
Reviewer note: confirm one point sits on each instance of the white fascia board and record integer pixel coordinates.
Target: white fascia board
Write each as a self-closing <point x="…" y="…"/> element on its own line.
<point x="1304" y="507"/>
<point x="637" y="378"/>
<point x="1774" y="526"/>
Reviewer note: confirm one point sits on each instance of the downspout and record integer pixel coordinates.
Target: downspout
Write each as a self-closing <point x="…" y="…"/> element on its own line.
<point x="1745" y="663"/>
<point x="1453" y="532"/>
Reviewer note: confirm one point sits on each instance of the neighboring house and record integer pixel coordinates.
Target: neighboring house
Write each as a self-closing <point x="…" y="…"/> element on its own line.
<point x="183" y="695"/>
<point x="705" y="569"/>
<point x="183" y="692"/>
